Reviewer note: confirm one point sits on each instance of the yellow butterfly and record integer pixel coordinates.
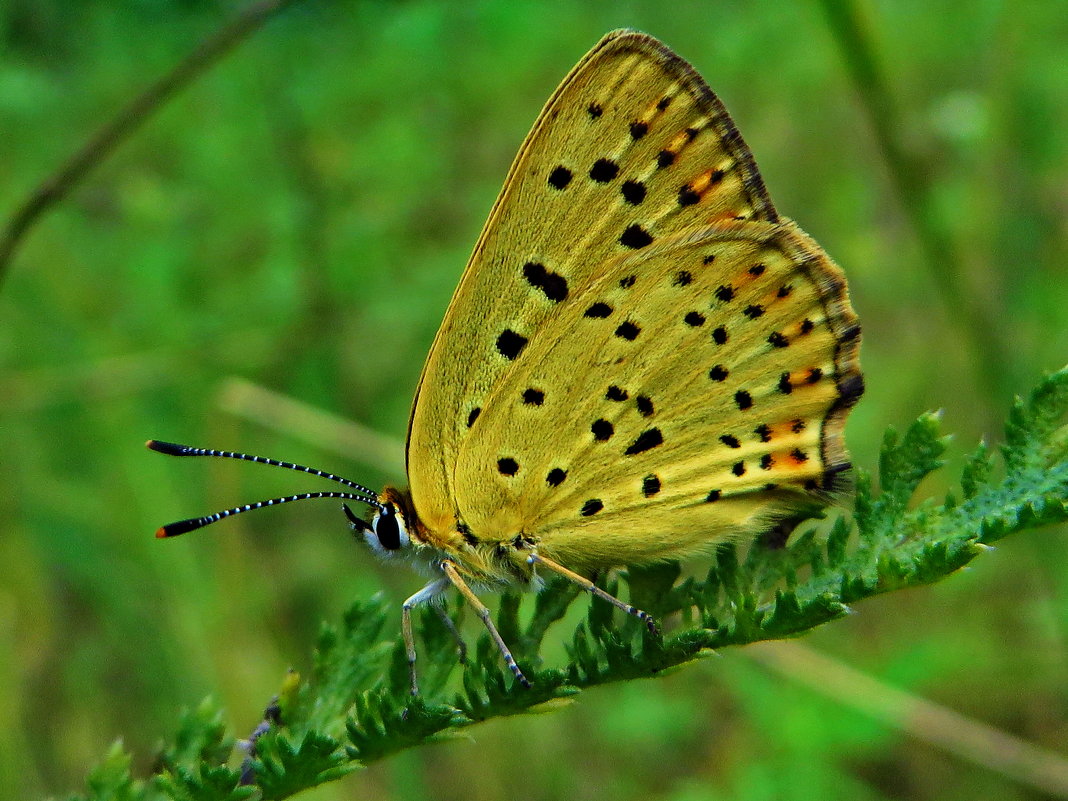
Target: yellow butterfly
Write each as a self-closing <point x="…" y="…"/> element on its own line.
<point x="643" y="360"/>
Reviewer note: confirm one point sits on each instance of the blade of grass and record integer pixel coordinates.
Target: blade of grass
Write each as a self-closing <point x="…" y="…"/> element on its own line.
<point x="970" y="311"/>
<point x="925" y="720"/>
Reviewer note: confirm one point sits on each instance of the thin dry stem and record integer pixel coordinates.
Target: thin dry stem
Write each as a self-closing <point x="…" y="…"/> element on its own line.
<point x="131" y="117"/>
<point x="309" y="424"/>
<point x="951" y="731"/>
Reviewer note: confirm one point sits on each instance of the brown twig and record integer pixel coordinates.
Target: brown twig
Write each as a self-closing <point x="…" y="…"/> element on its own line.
<point x="116" y="130"/>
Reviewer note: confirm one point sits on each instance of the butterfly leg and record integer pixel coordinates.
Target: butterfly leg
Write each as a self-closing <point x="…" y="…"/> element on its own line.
<point x="593" y="589"/>
<point x="428" y="593"/>
<point x="461" y="646"/>
<point x="483" y="613"/>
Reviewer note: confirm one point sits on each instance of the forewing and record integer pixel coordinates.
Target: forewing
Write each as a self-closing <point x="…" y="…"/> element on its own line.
<point x="632" y="148"/>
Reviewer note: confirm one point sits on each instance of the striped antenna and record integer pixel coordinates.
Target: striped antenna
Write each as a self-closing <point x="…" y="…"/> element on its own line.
<point x="360" y="492"/>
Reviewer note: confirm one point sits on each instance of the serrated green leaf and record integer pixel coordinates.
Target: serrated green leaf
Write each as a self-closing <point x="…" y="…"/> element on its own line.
<point x="284" y="768"/>
<point x="210" y="783"/>
<point x="111" y="780"/>
<point x="1035" y="426"/>
<point x="977" y="471"/>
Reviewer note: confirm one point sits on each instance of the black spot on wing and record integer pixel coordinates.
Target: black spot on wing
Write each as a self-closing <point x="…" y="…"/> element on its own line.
<point x="753" y="311"/>
<point x="560" y="177"/>
<point x="591" y="507"/>
<point x="635" y="237"/>
<point x="687" y="196"/>
<point x="555" y="477"/>
<point x="602" y="430"/>
<point x="510" y="344"/>
<point x="633" y="192"/>
<point x="604" y="170"/>
<point x="533" y="397"/>
<point x="647" y="440"/>
<point x="552" y="285"/>
<point x="650" y="486"/>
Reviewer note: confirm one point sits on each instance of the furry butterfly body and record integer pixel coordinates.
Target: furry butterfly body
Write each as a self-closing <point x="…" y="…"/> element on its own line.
<point x="641" y="361"/>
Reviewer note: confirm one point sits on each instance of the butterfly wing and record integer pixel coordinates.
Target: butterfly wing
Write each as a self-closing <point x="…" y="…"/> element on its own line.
<point x="630" y="160"/>
<point x="693" y="392"/>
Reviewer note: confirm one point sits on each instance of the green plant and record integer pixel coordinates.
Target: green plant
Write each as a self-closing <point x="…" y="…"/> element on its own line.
<point x="355" y="707"/>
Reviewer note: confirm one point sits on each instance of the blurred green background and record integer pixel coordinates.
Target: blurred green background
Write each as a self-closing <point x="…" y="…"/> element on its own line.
<point x="299" y="217"/>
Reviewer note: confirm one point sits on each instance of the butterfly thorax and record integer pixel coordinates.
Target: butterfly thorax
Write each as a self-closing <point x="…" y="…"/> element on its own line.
<point x="494" y="564"/>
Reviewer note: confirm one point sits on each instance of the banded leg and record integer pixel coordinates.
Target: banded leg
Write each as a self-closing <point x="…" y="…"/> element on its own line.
<point x="428" y="593"/>
<point x="483" y="613"/>
<point x="461" y="646"/>
<point x="593" y="589"/>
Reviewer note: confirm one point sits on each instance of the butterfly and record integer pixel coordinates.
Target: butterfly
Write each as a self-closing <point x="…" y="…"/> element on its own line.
<point x="642" y="360"/>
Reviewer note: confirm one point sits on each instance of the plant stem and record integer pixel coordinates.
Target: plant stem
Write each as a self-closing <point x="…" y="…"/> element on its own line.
<point x="119" y="128"/>
<point x="969" y="310"/>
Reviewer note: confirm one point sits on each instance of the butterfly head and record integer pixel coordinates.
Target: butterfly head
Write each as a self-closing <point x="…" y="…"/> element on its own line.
<point x="391" y="532"/>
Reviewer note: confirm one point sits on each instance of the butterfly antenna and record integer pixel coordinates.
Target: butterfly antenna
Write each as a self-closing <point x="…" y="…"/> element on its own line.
<point x="359" y="493"/>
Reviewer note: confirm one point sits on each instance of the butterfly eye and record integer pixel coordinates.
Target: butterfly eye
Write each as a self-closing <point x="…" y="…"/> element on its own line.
<point x="389" y="528"/>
